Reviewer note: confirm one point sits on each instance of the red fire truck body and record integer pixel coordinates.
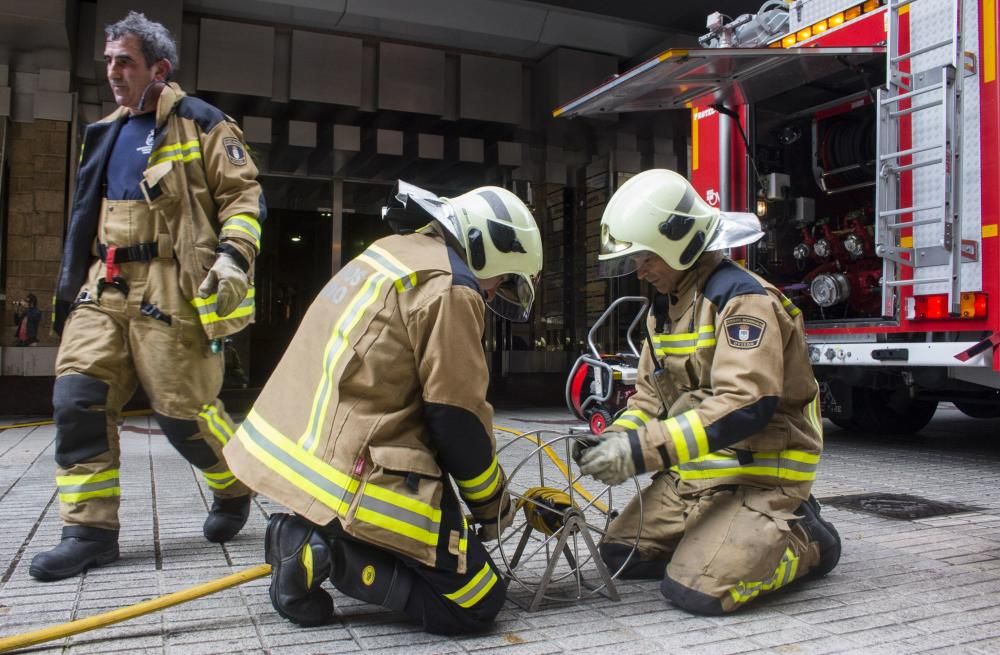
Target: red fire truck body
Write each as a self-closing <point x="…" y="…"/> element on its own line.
<point x="866" y="136"/>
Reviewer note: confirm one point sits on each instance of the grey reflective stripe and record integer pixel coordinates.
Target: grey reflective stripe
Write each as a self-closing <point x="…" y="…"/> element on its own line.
<point x="359" y="303"/>
<point x="298" y="467"/>
<point x="395" y="270"/>
<point x="471" y="593"/>
<point x="469" y="491"/>
<point x="496" y="204"/>
<point x="758" y="460"/>
<point x="399" y="513"/>
<point x="88" y="487"/>
<point x="209" y="308"/>
<point x="686" y="343"/>
<point x="248" y="226"/>
<point x="688" y="431"/>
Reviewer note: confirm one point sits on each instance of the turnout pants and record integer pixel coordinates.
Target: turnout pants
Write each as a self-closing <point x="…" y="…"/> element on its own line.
<point x="716" y="550"/>
<point x="139" y="330"/>
<point x="443" y="602"/>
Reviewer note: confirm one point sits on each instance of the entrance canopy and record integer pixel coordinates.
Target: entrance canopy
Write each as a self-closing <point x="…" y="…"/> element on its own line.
<point x="693" y="78"/>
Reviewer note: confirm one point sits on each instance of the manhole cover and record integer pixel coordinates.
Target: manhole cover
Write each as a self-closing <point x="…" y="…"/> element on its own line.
<point x="897" y="506"/>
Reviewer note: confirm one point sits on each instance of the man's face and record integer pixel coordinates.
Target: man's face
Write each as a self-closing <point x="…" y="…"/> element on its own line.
<point x="652" y="269"/>
<point x="490" y="286"/>
<point x="129" y="75"/>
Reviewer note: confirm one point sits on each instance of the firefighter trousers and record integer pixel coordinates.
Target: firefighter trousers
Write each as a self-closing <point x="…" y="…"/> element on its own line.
<point x="139" y="331"/>
<point x="715" y="550"/>
<point x="443" y="602"/>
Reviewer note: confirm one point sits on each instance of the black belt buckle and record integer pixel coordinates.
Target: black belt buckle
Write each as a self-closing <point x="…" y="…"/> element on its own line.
<point x="117" y="282"/>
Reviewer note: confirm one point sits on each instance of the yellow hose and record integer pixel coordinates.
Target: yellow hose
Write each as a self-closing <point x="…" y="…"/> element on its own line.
<point x="35" y="424"/>
<point x="26" y="639"/>
<point x="560" y="464"/>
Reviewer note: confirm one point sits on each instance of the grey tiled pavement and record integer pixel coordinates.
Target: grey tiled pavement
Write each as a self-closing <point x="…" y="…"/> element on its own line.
<point x="930" y="585"/>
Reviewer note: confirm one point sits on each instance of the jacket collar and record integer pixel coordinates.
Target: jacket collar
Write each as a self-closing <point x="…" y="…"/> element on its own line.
<point x="692" y="282"/>
<point x="171" y="94"/>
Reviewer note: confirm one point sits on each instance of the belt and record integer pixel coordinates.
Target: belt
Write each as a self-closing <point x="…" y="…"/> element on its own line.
<point x="141" y="252"/>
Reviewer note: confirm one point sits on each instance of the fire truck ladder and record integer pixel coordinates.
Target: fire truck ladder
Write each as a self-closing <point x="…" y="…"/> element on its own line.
<point x="907" y="93"/>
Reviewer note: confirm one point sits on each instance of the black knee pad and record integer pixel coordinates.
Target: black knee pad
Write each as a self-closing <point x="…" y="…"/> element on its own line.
<point x="691" y="600"/>
<point x="300" y="561"/>
<point x="81" y="432"/>
<point x="179" y="432"/>
<point x="370" y="574"/>
<point x="615" y="557"/>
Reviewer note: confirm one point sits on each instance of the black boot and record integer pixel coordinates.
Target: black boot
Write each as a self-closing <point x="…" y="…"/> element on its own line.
<point x="226" y="518"/>
<point x="300" y="561"/>
<point x="824" y="534"/>
<point x="81" y="548"/>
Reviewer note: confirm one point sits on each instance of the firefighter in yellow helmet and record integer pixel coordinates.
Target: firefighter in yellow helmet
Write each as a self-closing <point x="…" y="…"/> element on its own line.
<point x="381" y="398"/>
<point x="726" y="412"/>
<point x="156" y="268"/>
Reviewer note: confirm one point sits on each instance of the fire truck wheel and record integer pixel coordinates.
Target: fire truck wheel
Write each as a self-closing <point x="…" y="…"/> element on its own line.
<point x="599" y="421"/>
<point x="881" y="411"/>
<point x="975" y="410"/>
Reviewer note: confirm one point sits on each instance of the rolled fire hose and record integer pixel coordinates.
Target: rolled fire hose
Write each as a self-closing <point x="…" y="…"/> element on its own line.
<point x="62" y="630"/>
<point x="545" y="508"/>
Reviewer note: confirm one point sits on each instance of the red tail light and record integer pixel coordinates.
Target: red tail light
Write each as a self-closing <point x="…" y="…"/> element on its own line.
<point x="935" y="307"/>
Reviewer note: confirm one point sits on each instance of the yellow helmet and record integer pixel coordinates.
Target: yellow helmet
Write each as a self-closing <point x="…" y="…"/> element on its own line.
<point x="500" y="238"/>
<point x="659" y="211"/>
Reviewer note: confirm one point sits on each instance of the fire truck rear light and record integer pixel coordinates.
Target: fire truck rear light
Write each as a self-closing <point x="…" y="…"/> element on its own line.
<point x="852" y="13"/>
<point x="935" y="306"/>
<point x="973" y="305"/>
<point x="836" y="19"/>
<point x="819" y="27"/>
<point x="870" y="5"/>
<point x="802" y="35"/>
<point x="788" y="41"/>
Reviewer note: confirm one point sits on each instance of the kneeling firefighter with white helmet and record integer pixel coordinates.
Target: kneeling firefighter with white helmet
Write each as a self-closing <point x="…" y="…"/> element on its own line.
<point x="726" y="412"/>
<point x="381" y="396"/>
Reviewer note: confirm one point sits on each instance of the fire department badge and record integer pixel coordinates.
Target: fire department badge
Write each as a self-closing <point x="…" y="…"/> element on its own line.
<point x="235" y="151"/>
<point x="744" y="332"/>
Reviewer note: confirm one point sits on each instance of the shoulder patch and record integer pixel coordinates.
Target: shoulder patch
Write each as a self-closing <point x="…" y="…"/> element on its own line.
<point x="744" y="332"/>
<point x="199" y="111"/>
<point x="728" y="281"/>
<point x="235" y="151"/>
<point x="460" y="274"/>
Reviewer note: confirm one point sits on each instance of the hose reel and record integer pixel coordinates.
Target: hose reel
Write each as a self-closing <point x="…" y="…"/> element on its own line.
<point x="550" y="552"/>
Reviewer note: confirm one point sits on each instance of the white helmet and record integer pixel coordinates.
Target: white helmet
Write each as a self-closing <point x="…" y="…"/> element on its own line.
<point x="495" y="230"/>
<point x="659" y="211"/>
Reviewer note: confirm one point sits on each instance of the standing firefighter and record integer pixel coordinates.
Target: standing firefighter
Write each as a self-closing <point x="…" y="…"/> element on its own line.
<point x="379" y="399"/>
<point x="726" y="410"/>
<point x="164" y="230"/>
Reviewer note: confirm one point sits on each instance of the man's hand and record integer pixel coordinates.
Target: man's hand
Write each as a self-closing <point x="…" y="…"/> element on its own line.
<point x="490" y="529"/>
<point x="610" y="461"/>
<point x="228" y="281"/>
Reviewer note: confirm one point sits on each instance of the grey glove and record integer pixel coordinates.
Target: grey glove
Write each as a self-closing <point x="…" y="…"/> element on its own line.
<point x="490" y="530"/>
<point x="228" y="281"/>
<point x="610" y="461"/>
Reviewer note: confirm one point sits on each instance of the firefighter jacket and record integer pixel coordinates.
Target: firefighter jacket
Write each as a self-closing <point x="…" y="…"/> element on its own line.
<point x="725" y="392"/>
<point x="200" y="181"/>
<point x="379" y="397"/>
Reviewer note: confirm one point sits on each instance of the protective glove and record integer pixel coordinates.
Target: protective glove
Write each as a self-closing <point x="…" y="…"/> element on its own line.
<point x="228" y="281"/>
<point x="490" y="529"/>
<point x="610" y="461"/>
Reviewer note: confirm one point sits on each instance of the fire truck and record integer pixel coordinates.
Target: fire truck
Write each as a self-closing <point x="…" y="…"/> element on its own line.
<point x="866" y="137"/>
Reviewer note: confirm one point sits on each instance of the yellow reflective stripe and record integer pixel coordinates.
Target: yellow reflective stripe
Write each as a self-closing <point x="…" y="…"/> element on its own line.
<point x="246" y="224"/>
<point x="813" y="414"/>
<point x="206" y="308"/>
<point x="792" y="465"/>
<point x="306" y="472"/>
<point x="463" y="541"/>
<point x="307" y="564"/>
<point x="187" y="151"/>
<point x="785" y="573"/>
<point x="684" y="343"/>
<point x="475" y="589"/>
<point x="402" y="277"/>
<point x="86" y="478"/>
<point x="80" y="497"/>
<point x="405" y="283"/>
<point x="790" y="307"/>
<point x="336" y="346"/>
<point x="215" y="424"/>
<point x="219" y="480"/>
<point x="483" y="485"/>
<point x="633" y="418"/>
<point x="688" y="435"/>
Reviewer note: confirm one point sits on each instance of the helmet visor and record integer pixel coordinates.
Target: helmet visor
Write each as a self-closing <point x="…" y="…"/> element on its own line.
<point x="513" y="298"/>
<point x="614" y="259"/>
